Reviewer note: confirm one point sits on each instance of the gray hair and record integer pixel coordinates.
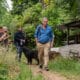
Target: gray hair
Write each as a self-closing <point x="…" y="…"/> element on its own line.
<point x="44" y="18"/>
<point x="5" y="28"/>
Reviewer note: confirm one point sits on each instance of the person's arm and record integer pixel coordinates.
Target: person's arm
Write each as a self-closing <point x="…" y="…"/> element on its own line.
<point x="3" y="37"/>
<point x="23" y="38"/>
<point x="52" y="43"/>
<point x="36" y="35"/>
<point x="16" y="37"/>
<point x="6" y="36"/>
<point x="51" y="38"/>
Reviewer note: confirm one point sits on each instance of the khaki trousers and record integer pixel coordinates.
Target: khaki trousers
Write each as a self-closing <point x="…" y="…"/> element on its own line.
<point x="43" y="53"/>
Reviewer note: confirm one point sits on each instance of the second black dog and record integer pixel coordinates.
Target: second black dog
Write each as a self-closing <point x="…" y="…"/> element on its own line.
<point x="30" y="54"/>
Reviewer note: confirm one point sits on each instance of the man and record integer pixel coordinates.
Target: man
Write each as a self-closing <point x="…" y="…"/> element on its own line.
<point x="5" y="36"/>
<point x="19" y="40"/>
<point x="44" y="41"/>
<point x="1" y="33"/>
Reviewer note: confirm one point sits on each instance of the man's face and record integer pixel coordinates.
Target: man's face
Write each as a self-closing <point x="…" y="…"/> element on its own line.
<point x="45" y="22"/>
<point x="19" y="29"/>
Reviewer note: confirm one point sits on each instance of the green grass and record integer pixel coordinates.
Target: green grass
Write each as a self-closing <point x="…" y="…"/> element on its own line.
<point x="10" y="69"/>
<point x="25" y="73"/>
<point x="3" y="72"/>
<point x="65" y="66"/>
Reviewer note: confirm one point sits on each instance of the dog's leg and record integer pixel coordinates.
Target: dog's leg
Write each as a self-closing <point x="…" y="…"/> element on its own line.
<point x="29" y="60"/>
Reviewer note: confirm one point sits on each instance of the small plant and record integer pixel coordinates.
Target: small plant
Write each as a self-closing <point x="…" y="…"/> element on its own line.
<point x="3" y="72"/>
<point x="65" y="66"/>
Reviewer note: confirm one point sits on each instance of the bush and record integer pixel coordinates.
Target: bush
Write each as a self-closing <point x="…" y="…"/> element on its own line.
<point x="30" y="29"/>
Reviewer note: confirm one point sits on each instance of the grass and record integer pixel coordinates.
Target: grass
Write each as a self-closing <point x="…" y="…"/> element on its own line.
<point x="10" y="69"/>
<point x="68" y="68"/>
<point x="25" y="73"/>
<point x="3" y="72"/>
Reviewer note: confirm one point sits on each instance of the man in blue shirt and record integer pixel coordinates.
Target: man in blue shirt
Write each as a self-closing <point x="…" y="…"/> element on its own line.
<point x="44" y="41"/>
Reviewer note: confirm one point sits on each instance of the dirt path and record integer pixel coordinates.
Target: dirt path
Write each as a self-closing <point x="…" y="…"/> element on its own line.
<point x="48" y="75"/>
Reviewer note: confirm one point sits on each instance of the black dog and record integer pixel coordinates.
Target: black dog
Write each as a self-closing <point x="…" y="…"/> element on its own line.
<point x="30" y="54"/>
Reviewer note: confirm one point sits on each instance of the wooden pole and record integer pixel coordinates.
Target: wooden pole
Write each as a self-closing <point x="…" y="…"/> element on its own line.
<point x="67" y="35"/>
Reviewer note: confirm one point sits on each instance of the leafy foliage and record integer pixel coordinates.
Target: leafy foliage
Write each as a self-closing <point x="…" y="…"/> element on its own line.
<point x="20" y="5"/>
<point x="27" y="13"/>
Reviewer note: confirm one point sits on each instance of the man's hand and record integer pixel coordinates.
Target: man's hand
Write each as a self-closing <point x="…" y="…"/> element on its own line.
<point x="22" y="40"/>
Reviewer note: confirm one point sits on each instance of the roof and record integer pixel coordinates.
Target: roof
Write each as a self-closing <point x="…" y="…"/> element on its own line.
<point x="73" y="24"/>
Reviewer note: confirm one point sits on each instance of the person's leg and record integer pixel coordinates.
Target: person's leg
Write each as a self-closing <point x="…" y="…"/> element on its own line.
<point x="17" y="50"/>
<point x="19" y="53"/>
<point x="40" y="54"/>
<point x="46" y="54"/>
<point x="6" y="45"/>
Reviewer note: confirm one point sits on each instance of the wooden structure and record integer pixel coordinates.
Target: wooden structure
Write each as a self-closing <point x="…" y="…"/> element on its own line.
<point x="72" y="26"/>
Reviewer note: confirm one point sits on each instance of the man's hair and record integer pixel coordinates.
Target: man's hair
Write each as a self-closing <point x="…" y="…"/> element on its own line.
<point x="5" y="28"/>
<point x="44" y="18"/>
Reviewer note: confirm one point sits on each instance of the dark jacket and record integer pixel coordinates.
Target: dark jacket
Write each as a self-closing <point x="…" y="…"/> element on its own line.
<point x="18" y="36"/>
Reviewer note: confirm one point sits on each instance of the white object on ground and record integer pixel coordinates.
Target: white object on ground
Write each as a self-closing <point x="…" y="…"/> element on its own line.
<point x="55" y="49"/>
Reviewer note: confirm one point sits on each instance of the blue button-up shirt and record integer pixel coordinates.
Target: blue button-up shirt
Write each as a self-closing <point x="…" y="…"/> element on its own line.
<point x="44" y="35"/>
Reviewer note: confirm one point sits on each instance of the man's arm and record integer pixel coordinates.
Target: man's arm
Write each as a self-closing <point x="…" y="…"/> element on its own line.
<point x="23" y="37"/>
<point x="36" y="35"/>
<point x="6" y="36"/>
<point x="52" y="43"/>
<point x="3" y="37"/>
<point x="51" y="39"/>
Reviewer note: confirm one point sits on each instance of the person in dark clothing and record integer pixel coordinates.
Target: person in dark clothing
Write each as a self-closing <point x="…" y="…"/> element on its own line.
<point x="19" y="40"/>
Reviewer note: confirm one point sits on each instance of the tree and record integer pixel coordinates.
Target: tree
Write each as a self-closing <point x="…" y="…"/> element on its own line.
<point x="3" y="9"/>
<point x="20" y="5"/>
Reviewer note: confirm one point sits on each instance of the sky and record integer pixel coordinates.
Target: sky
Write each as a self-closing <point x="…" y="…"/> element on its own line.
<point x="9" y="3"/>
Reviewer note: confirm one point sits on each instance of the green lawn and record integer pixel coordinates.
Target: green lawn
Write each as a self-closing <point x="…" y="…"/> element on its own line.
<point x="68" y="68"/>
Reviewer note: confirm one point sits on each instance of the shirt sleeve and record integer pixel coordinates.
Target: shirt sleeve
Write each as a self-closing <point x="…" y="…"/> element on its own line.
<point x="16" y="38"/>
<point x="23" y="36"/>
<point x="36" y="32"/>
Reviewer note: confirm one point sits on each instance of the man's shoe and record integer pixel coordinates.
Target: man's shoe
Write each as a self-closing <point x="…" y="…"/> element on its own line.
<point x="46" y="68"/>
<point x="40" y="66"/>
